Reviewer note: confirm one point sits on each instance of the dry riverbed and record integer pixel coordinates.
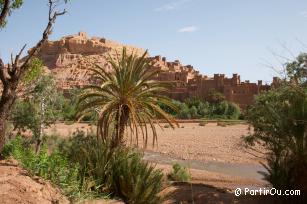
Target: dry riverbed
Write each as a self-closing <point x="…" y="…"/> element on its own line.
<point x="214" y="154"/>
<point x="190" y="142"/>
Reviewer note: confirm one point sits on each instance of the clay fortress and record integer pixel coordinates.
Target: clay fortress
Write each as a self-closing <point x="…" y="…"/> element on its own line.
<point x="68" y="60"/>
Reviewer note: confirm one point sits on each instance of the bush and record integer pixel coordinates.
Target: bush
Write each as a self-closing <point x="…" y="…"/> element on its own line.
<point x="195" y="108"/>
<point x="54" y="167"/>
<point x="119" y="172"/>
<point x="179" y="173"/>
<point x="84" y="167"/>
<point x="184" y="112"/>
<point x="279" y="120"/>
<point x="134" y="180"/>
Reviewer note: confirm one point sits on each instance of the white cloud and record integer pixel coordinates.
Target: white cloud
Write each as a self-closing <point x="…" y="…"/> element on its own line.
<point x="304" y="14"/>
<point x="172" y="5"/>
<point x="188" y="29"/>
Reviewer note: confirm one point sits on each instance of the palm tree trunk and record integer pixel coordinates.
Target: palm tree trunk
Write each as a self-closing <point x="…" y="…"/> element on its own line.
<point x="120" y="129"/>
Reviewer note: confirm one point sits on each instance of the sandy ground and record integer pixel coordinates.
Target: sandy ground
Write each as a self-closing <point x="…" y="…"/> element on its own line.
<point x="205" y="143"/>
<point x="190" y="141"/>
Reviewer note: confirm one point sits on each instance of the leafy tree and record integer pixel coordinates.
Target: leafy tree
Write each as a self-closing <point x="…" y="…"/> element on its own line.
<point x="38" y="110"/>
<point x="127" y="97"/>
<point x="233" y="111"/>
<point x="11" y="74"/>
<point x="279" y="119"/>
<point x="193" y="101"/>
<point x="297" y="70"/>
<point x="195" y="108"/>
<point x="33" y="72"/>
<point x="184" y="112"/>
<point x="221" y="108"/>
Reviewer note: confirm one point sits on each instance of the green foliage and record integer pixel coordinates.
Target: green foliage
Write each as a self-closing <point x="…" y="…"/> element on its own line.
<point x="14" y="5"/>
<point x="119" y="171"/>
<point x="127" y="97"/>
<point x="54" y="167"/>
<point x="195" y="108"/>
<point x="297" y="70"/>
<point x="279" y="119"/>
<point x="84" y="167"/>
<point x="25" y="116"/>
<point x="29" y="114"/>
<point x="34" y="71"/>
<point x="134" y="180"/>
<point x="184" y="112"/>
<point x="14" y="147"/>
<point x="179" y="173"/>
<point x="69" y="106"/>
<point x="215" y="96"/>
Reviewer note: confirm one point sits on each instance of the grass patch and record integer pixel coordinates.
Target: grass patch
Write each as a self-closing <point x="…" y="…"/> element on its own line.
<point x="179" y="173"/>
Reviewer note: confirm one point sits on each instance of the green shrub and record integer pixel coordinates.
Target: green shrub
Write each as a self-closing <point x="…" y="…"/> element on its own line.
<point x="196" y="108"/>
<point x="279" y="120"/>
<point x="134" y="180"/>
<point x="54" y="167"/>
<point x="119" y="172"/>
<point x="233" y="111"/>
<point x="84" y="167"/>
<point x="179" y="173"/>
<point x="184" y="113"/>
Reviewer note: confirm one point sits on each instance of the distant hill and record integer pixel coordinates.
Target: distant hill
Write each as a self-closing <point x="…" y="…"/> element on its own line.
<point x="68" y="58"/>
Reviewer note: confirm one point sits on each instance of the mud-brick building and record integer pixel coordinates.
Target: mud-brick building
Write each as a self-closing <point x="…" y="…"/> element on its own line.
<point x="188" y="83"/>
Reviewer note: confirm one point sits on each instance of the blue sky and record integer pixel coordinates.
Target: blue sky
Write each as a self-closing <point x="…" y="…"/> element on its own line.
<point x="215" y="36"/>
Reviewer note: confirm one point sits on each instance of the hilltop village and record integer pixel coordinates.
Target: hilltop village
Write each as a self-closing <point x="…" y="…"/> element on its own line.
<point x="69" y="57"/>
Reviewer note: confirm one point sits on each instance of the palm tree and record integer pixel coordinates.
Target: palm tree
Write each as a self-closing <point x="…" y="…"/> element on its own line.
<point x="126" y="97"/>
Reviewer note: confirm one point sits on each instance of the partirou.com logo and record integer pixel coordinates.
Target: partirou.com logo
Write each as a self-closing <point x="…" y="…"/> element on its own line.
<point x="266" y="191"/>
